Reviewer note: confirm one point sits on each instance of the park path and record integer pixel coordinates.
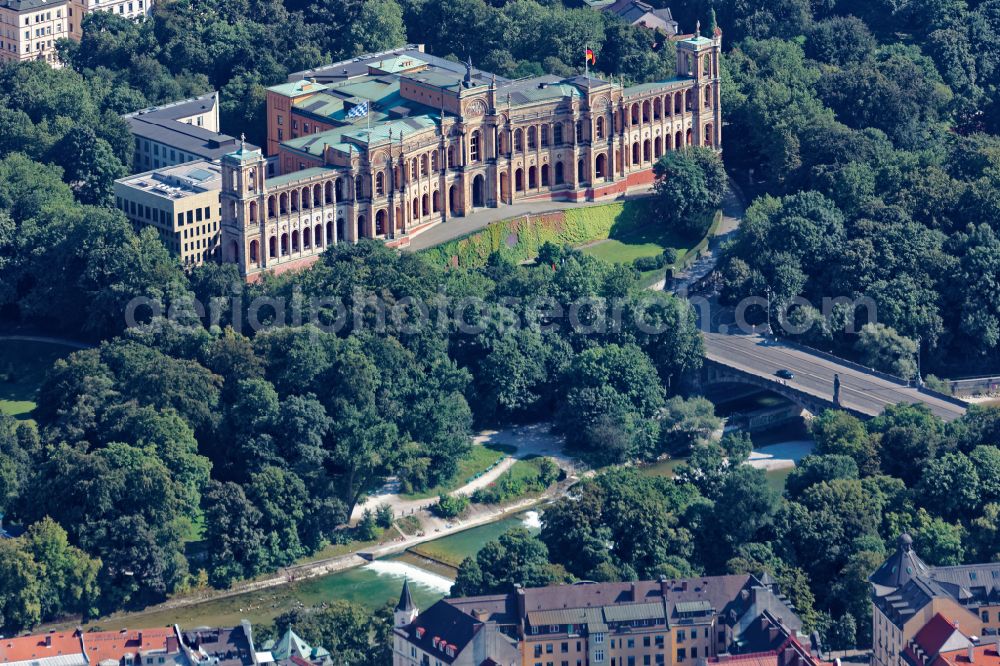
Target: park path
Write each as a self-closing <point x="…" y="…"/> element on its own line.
<point x="529" y="441"/>
<point x="733" y="209"/>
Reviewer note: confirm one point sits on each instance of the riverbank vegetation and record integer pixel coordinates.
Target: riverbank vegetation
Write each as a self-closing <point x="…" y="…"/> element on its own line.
<point x="839" y="516"/>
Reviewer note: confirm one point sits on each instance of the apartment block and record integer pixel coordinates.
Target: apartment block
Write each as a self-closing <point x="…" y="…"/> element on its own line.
<point x="29" y="29"/>
<point x="908" y="594"/>
<point x="643" y="623"/>
<point x="178" y="132"/>
<point x="181" y="202"/>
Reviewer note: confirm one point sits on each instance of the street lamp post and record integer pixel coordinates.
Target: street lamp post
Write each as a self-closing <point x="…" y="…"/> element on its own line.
<point x="769" y="331"/>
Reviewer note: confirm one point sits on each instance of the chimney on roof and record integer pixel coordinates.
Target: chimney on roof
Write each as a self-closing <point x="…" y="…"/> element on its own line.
<point x="972" y="653"/>
<point x="172" y="644"/>
<point x="521" y="601"/>
<point x="633" y="589"/>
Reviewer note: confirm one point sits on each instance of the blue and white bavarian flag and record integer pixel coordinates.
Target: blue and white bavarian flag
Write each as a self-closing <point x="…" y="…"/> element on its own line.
<point x="359" y="111"/>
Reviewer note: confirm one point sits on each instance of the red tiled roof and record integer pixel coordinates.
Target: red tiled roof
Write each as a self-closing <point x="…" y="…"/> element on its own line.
<point x="983" y="655"/>
<point x="101" y="645"/>
<point x="27" y="648"/>
<point x="933" y="637"/>
<point x="754" y="659"/>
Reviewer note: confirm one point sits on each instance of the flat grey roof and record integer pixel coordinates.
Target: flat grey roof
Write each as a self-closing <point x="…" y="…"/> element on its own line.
<point x="189" y="138"/>
<point x="160" y="124"/>
<point x="179" y="181"/>
<point x="181" y="109"/>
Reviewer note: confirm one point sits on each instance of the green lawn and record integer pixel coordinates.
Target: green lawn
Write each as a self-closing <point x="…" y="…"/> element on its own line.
<point x="22" y="368"/>
<point x="479" y="459"/>
<point x="641" y="235"/>
<point x="527" y="469"/>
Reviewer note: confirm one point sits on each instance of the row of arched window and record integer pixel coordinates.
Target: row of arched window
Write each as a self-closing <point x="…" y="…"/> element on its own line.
<point x="285" y="244"/>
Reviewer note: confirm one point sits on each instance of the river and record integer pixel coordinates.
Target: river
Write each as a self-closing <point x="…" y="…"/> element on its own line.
<point x="371" y="585"/>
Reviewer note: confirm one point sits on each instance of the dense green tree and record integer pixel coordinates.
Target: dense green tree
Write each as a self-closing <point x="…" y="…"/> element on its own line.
<point x="839" y="433"/>
<point x="689" y="186"/>
<point x="235" y="540"/>
<point x="882" y="348"/>
<point x="351" y="633"/>
<point x="20" y="601"/>
<point x="949" y="485"/>
<point x="840" y="40"/>
<point x="67" y="576"/>
<point x="515" y="557"/>
<point x="685" y="423"/>
<point x="815" y="469"/>
<point x="909" y="436"/>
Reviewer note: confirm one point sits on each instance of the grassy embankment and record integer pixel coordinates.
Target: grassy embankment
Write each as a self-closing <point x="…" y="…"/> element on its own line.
<point x="619" y="232"/>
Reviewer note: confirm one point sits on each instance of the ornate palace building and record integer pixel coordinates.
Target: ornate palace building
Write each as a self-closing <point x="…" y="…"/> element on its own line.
<point x="389" y="144"/>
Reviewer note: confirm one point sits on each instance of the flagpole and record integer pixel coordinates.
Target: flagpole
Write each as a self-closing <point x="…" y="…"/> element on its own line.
<point x="586" y="64"/>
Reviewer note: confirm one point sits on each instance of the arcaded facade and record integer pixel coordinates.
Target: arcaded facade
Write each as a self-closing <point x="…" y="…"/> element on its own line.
<point x="387" y="145"/>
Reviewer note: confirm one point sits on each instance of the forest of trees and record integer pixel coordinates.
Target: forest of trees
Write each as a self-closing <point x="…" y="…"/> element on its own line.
<point x="863" y="129"/>
<point x="269" y="441"/>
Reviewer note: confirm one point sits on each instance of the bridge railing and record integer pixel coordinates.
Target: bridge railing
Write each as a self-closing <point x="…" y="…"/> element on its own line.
<point x="974" y="385"/>
<point x="878" y="373"/>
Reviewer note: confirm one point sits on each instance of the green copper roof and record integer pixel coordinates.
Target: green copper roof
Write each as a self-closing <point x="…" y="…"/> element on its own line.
<point x="449" y="81"/>
<point x="244" y="154"/>
<point x="399" y="64"/>
<point x="558" y="91"/>
<point x="290" y="645"/>
<point x="349" y="137"/>
<point x="296" y="88"/>
<point x="697" y="41"/>
<point x="305" y="174"/>
<point x="655" y="85"/>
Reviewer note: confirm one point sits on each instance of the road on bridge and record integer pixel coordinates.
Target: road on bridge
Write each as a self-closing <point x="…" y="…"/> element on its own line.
<point x="859" y="391"/>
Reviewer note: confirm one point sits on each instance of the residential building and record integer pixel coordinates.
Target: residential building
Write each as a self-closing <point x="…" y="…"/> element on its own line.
<point x="643" y="14"/>
<point x="159" y="646"/>
<point x="603" y="624"/>
<point x="57" y="648"/>
<point x="136" y="647"/>
<point x="221" y="646"/>
<point x="984" y="654"/>
<point x="786" y="650"/>
<point x="907" y="595"/>
<point x="130" y="9"/>
<point x="29" y="29"/>
<point x="178" y="132"/>
<point x="389" y="144"/>
<point x="181" y="202"/>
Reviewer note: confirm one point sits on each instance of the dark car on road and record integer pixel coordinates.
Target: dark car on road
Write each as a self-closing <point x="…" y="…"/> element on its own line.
<point x="785" y="373"/>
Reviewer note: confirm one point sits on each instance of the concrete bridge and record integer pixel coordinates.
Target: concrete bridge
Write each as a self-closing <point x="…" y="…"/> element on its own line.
<point x="751" y="360"/>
